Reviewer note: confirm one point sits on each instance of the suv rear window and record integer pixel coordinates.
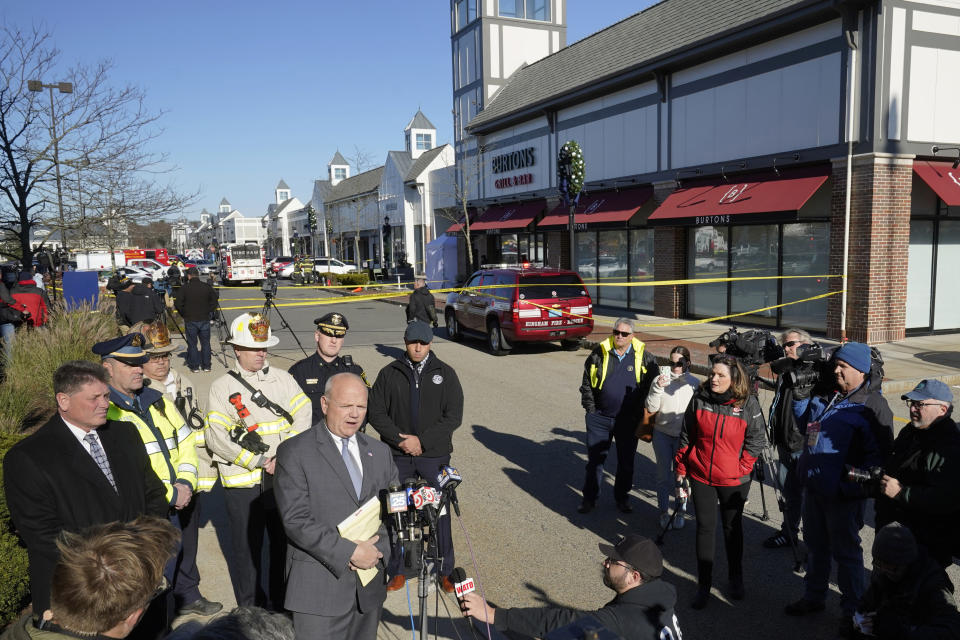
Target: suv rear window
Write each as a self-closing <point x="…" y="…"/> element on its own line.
<point x="559" y="285"/>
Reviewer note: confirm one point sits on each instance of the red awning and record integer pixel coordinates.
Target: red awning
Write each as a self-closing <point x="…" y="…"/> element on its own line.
<point x="758" y="198"/>
<point x="942" y="178"/>
<point x="516" y="215"/>
<point x="455" y="228"/>
<point x="600" y="207"/>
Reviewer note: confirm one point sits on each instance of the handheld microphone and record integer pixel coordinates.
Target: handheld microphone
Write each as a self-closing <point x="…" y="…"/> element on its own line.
<point x="462" y="585"/>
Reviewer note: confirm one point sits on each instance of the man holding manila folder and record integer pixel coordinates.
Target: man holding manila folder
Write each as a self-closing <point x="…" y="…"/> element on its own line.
<point x="327" y="485"/>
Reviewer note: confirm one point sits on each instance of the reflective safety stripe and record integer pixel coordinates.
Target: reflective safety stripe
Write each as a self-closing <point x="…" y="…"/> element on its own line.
<point x="183" y="433"/>
<point x="187" y="468"/>
<point x="171" y="444"/>
<point x="215" y="417"/>
<point x="297" y="402"/>
<point x="245" y="458"/>
<point x="152" y="447"/>
<point x="242" y="479"/>
<point x="267" y="428"/>
<point x="205" y="484"/>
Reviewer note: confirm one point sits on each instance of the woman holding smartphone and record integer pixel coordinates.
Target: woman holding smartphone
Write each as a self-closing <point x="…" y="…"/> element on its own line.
<point x="722" y="436"/>
<point x="668" y="398"/>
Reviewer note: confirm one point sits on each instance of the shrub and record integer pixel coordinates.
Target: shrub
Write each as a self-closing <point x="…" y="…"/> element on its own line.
<point x="355" y="279"/>
<point x="68" y="335"/>
<point x="14" y="568"/>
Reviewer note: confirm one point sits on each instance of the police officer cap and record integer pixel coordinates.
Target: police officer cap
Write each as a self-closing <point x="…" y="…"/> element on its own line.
<point x="332" y="324"/>
<point x="127" y="349"/>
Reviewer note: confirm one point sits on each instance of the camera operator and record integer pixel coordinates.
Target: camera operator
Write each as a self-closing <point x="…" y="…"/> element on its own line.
<point x="641" y="610"/>
<point x="854" y="427"/>
<point x="909" y="595"/>
<point x="920" y="488"/>
<point x="250" y="411"/>
<point x="788" y="440"/>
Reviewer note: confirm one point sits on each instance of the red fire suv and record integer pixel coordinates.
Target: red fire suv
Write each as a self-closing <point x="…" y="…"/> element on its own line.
<point x="521" y="304"/>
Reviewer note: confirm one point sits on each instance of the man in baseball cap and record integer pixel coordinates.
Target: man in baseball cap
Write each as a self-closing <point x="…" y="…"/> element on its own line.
<point x="921" y="484"/>
<point x="642" y="608"/>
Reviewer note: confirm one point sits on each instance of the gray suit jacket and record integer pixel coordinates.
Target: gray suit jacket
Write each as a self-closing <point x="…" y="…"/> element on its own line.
<point x="314" y="494"/>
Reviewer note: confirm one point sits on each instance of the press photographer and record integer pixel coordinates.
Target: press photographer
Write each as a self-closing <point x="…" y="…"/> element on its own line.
<point x="785" y="435"/>
<point x="643" y="608"/>
<point x="852" y="426"/>
<point x="921" y="486"/>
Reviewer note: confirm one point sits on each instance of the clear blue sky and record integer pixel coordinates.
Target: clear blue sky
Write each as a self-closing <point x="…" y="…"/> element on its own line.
<point x="256" y="91"/>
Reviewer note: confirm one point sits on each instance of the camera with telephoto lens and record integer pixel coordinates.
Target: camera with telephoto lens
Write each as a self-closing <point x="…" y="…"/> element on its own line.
<point x="249" y="440"/>
<point x="753" y="347"/>
<point x="870" y="477"/>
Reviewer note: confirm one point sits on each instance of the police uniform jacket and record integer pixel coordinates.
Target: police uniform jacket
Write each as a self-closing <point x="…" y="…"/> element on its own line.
<point x="238" y="467"/>
<point x="174" y="389"/>
<point x="170" y="443"/>
<point x="438" y="409"/>
<point x="312" y="374"/>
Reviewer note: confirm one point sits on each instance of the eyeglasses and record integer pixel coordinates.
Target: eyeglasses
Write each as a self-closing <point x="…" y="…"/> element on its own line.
<point x="609" y="561"/>
<point x="919" y="404"/>
<point x="159" y="356"/>
<point x="622" y="334"/>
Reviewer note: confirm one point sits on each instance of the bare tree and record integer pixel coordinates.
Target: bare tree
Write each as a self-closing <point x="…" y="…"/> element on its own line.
<point x="361" y="159"/>
<point x="464" y="180"/>
<point x="101" y="133"/>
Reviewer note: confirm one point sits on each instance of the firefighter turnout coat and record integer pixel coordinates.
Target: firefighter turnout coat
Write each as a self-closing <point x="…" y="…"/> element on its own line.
<point x="171" y="445"/>
<point x="239" y="467"/>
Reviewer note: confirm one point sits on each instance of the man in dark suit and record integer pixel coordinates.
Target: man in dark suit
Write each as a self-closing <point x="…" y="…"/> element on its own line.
<point x="76" y="471"/>
<point x="322" y="476"/>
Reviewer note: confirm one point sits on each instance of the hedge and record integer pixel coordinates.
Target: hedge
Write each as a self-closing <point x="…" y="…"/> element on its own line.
<point x="355" y="279"/>
<point x="14" y="567"/>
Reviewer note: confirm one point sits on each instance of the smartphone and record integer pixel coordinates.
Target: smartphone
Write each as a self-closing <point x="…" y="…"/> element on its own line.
<point x="664" y="370"/>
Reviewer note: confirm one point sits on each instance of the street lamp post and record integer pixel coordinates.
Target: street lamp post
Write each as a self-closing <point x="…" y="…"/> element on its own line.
<point x="63" y="87"/>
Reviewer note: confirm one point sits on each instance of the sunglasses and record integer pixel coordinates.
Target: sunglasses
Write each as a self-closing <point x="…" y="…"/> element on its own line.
<point x="622" y="334"/>
<point x="791" y="343"/>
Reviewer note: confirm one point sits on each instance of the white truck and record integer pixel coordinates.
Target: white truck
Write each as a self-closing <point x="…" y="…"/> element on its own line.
<point x="242" y="263"/>
<point x="99" y="260"/>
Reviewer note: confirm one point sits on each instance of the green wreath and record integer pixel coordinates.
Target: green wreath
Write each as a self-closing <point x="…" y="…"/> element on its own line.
<point x="570" y="170"/>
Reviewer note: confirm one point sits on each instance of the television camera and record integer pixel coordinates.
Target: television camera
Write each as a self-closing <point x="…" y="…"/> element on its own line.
<point x="752" y="347"/>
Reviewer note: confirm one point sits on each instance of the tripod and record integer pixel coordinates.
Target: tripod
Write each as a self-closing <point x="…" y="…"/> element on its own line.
<point x="223" y="333"/>
<point x="765" y="462"/>
<point x="270" y="304"/>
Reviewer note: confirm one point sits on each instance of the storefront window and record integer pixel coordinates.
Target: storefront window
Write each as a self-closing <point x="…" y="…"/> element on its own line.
<point x="641" y="268"/>
<point x="612" y="267"/>
<point x="586" y="256"/>
<point x="919" y="267"/>
<point x="755" y="253"/>
<point x="946" y="314"/>
<point x="707" y="258"/>
<point x="508" y="248"/>
<point x="806" y="251"/>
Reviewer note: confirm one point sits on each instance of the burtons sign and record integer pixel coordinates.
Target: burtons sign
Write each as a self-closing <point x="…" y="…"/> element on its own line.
<point x="520" y="159"/>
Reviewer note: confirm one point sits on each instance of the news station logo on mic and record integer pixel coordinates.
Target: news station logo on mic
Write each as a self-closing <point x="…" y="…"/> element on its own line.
<point x="463" y="588"/>
<point x="396" y="501"/>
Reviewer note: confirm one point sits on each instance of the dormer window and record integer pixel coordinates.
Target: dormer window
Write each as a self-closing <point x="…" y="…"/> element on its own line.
<point x="526" y="9"/>
<point x="339" y="173"/>
<point x="424" y="141"/>
<point x="283" y="196"/>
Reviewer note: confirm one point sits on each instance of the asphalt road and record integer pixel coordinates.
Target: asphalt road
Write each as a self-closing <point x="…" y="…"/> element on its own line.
<point x="521" y="453"/>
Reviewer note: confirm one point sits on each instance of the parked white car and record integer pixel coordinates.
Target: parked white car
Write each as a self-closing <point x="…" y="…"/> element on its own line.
<point x="332" y="265"/>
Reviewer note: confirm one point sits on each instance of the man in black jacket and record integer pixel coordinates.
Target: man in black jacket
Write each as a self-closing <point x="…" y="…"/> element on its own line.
<point x="788" y="440"/>
<point x="77" y="470"/>
<point x="137" y="302"/>
<point x="641" y="610"/>
<point x="921" y="486"/>
<point x="909" y="596"/>
<point x="195" y="301"/>
<point x="421" y="305"/>
<point x="415" y="405"/>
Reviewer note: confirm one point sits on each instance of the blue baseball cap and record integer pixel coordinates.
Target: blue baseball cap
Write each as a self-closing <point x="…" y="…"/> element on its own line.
<point x="930" y="390"/>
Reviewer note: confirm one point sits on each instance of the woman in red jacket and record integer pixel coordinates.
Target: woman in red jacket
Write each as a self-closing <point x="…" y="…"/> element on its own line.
<point x="723" y="433"/>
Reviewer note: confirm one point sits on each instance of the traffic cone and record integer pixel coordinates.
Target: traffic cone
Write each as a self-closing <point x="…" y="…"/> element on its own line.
<point x="357" y="290"/>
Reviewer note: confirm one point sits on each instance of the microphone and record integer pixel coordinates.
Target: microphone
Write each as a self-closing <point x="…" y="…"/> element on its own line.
<point x="396" y="501"/>
<point x="462" y="585"/>
<point x="408" y="489"/>
<point x="448" y="480"/>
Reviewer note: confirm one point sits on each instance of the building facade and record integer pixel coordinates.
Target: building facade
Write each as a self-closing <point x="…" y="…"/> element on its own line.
<point x="810" y="143"/>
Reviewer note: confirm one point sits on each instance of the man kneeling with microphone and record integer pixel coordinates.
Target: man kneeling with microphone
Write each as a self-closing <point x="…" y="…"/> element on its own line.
<point x="641" y="610"/>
